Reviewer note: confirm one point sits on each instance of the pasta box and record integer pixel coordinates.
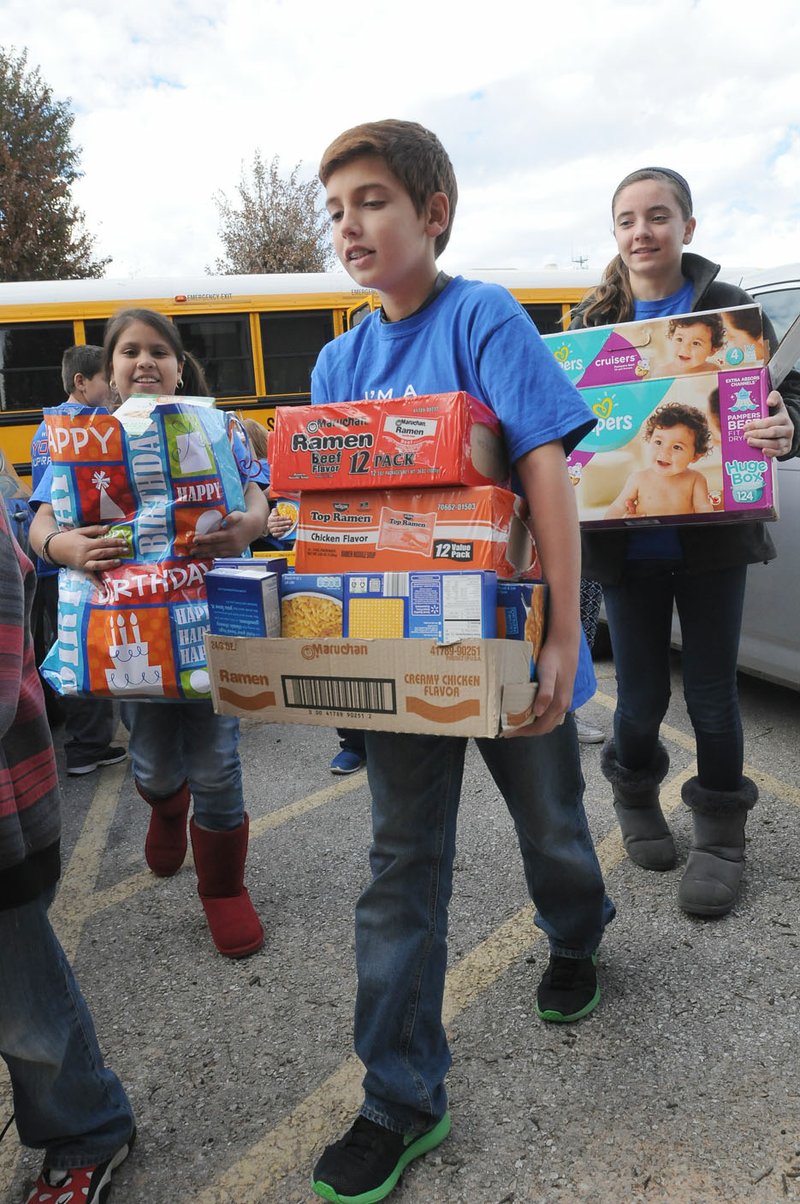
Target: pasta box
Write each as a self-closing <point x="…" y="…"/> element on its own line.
<point x="437" y="439"/>
<point x="420" y="605"/>
<point x="483" y="527"/>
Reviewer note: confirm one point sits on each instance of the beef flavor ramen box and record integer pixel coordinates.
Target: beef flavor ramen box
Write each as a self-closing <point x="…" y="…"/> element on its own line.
<point x="403" y="529"/>
<point x="159" y="471"/>
<point x="673" y="451"/>
<point x="439" y="439"/>
<point x="661" y="348"/>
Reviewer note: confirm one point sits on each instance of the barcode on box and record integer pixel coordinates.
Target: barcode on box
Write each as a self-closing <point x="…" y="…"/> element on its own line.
<point x="375" y="696"/>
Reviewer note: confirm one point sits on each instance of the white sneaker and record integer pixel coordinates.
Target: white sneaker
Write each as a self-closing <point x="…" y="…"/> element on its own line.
<point x="588" y="734"/>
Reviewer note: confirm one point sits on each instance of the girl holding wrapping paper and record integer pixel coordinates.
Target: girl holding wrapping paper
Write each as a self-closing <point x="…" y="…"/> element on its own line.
<point x="182" y="752"/>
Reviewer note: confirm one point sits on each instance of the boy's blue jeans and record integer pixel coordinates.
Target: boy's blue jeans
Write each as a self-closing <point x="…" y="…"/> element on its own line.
<point x="401" y="918"/>
<point x="175" y="742"/>
<point x="639" y="614"/>
<point x="67" y="1102"/>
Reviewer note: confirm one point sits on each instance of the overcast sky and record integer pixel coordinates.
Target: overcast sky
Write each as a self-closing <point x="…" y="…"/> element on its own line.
<point x="543" y="107"/>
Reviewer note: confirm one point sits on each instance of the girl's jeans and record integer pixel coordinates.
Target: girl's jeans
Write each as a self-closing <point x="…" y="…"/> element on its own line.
<point x="67" y="1102"/>
<point x="175" y="742"/>
<point x="639" y="614"/>
<point x="401" y="918"/>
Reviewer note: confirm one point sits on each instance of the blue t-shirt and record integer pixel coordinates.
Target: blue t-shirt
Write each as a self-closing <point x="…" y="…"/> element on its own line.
<point x="475" y="337"/>
<point x="660" y="543"/>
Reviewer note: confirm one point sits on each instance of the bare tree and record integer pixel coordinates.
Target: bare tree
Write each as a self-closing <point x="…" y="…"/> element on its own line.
<point x="41" y="229"/>
<point x="277" y="225"/>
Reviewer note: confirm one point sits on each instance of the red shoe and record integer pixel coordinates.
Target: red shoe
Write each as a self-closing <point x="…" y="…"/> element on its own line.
<point x="219" y="859"/>
<point x="83" y="1185"/>
<point x="166" y="842"/>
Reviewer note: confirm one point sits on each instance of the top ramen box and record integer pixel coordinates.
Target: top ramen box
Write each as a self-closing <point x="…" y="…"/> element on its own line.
<point x="404" y="529"/>
<point x="660" y="348"/>
<point x="673" y="451"/>
<point x="440" y="439"/>
<point x="468" y="688"/>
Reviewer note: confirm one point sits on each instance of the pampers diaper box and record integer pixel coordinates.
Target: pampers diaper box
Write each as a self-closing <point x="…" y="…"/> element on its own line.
<point x="433" y="440"/>
<point x="673" y="451"/>
<point x="658" y="348"/>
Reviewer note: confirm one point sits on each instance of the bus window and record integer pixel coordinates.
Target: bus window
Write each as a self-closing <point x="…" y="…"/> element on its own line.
<point x="222" y="344"/>
<point x="95" y="331"/>
<point x="291" y="343"/>
<point x="30" y="364"/>
<point x="547" y="318"/>
<point x="357" y="316"/>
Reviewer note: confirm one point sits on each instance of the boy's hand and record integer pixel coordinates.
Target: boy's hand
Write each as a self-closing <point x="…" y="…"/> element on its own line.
<point x="555" y="674"/>
<point x="230" y="539"/>
<point x="774" y="434"/>
<point x="89" y="549"/>
<point x="278" y="524"/>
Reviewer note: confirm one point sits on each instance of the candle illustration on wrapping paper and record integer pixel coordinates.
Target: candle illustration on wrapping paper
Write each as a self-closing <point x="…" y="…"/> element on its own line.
<point x="132" y="672"/>
<point x="109" y="510"/>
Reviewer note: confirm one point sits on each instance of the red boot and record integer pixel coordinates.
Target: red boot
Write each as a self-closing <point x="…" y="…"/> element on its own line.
<point x="219" y="859"/>
<point x="166" y="842"/>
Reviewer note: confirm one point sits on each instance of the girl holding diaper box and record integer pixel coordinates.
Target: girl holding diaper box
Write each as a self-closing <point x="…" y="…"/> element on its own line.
<point x="700" y="569"/>
<point x="182" y="752"/>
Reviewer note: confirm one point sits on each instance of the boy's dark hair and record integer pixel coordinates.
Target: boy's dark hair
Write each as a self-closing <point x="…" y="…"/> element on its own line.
<point x="747" y="320"/>
<point x="83" y="358"/>
<point x="673" y="413"/>
<point x="712" y="321"/>
<point x="194" y="380"/>
<point x="413" y="154"/>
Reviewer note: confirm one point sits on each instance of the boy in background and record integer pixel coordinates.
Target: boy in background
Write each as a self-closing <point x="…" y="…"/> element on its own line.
<point x="89" y="722"/>
<point x="391" y="195"/>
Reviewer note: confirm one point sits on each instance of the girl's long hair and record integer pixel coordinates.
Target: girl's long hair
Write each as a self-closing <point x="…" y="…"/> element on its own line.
<point x="192" y="374"/>
<point x="612" y="300"/>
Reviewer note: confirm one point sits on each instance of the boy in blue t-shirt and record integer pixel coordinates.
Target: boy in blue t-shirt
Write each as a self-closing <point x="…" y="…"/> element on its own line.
<point x="88" y="722"/>
<point x="391" y="195"/>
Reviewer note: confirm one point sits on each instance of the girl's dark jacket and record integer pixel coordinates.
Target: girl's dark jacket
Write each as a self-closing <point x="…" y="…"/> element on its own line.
<point x="705" y="547"/>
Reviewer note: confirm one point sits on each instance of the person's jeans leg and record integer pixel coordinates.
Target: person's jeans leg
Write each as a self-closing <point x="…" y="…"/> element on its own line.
<point x="67" y="1102"/>
<point x="401" y="927"/>
<point x="710" y="610"/>
<point x="88" y="724"/>
<point x="541" y="781"/>
<point x="639" y="612"/>
<point x="155" y="745"/>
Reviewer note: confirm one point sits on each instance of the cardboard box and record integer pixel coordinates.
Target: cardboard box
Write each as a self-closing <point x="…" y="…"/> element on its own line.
<point x="243" y="601"/>
<point x="470" y="688"/>
<point x="627" y="474"/>
<point x="423" y="605"/>
<point x="404" y="529"/>
<point x="435" y="440"/>
<point x="660" y="348"/>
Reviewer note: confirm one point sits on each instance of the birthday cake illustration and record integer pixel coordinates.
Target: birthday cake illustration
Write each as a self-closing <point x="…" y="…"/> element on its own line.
<point x="132" y="672"/>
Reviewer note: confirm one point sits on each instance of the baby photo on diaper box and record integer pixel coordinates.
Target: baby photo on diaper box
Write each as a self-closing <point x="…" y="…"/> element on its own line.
<point x="673" y="451"/>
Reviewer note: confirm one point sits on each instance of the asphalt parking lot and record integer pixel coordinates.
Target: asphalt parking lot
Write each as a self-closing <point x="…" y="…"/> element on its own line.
<point x="682" y="1086"/>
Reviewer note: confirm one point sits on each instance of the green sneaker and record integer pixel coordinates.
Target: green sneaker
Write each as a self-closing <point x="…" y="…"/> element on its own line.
<point x="364" y="1166"/>
<point x="568" y="990"/>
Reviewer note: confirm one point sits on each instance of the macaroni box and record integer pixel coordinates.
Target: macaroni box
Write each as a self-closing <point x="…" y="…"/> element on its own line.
<point x="440" y="439"/>
<point x="469" y="688"/>
<point x="673" y="451"/>
<point x="311" y="605"/>
<point x="522" y="614"/>
<point x="421" y="605"/>
<point x="404" y="529"/>
<point x="661" y="348"/>
<point x="243" y="601"/>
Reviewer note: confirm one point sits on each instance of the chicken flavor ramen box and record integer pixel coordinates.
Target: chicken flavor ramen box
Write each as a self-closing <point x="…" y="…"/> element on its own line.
<point x="404" y="529"/>
<point x="159" y="471"/>
<point x="437" y="439"/>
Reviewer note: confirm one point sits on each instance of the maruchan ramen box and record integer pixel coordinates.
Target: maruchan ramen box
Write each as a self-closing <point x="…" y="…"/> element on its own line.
<point x="434" y="440"/>
<point x="311" y="605"/>
<point x="469" y="688"/>
<point x="673" y="451"/>
<point x="420" y="605"/>
<point x="662" y="348"/>
<point x="243" y="601"/>
<point x="397" y="530"/>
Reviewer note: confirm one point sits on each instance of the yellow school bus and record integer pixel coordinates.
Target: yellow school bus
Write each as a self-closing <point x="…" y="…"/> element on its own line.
<point x="257" y="337"/>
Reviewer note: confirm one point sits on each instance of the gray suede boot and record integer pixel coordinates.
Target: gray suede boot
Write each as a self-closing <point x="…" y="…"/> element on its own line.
<point x="710" y="885"/>
<point x="648" y="841"/>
